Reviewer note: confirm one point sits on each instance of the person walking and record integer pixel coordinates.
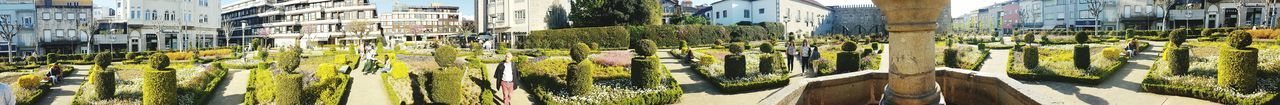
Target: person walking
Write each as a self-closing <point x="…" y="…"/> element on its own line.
<point x="791" y="54"/>
<point x="6" y="95"/>
<point x="814" y="56"/>
<point x="804" y="57"/>
<point x="507" y="77"/>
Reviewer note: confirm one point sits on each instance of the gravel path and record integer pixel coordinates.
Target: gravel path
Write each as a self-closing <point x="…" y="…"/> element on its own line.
<point x="1123" y="88"/>
<point x="698" y="91"/>
<point x="232" y="90"/>
<point x="64" y="92"/>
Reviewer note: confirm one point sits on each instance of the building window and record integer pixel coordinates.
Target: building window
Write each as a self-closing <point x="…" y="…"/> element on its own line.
<point x="761" y="10"/>
<point x="746" y="13"/>
<point x="520" y="16"/>
<point x="46" y="16"/>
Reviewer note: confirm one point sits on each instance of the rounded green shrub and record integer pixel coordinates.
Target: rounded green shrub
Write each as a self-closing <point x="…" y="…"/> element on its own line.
<point x="288" y="89"/>
<point x="159" y="87"/>
<point x="579" y="52"/>
<point x="1206" y="32"/>
<point x="1031" y="56"/>
<point x="502" y="49"/>
<point x="736" y="48"/>
<point x="1239" y="39"/>
<point x="1082" y="38"/>
<point x="130" y="55"/>
<point x="1080" y="56"/>
<point x="735" y="66"/>
<point x="646" y="72"/>
<point x="580" y="81"/>
<point x="1177" y="37"/>
<point x="262" y="55"/>
<point x="1180" y="60"/>
<point x="951" y="58"/>
<point x="597" y="45"/>
<point x="446" y="86"/>
<point x="102" y="60"/>
<point x="158" y="61"/>
<point x="289" y="59"/>
<point x="1238" y="69"/>
<point x="445" y="55"/>
<point x="849" y="46"/>
<point x="767" y="47"/>
<point x="646" y="47"/>
<point x="1031" y="38"/>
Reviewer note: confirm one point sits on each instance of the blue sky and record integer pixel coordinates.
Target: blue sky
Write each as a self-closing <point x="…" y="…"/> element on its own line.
<point x="467" y="7"/>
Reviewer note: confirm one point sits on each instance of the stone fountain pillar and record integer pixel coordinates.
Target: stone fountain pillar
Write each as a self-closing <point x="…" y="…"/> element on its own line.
<point x="911" y="25"/>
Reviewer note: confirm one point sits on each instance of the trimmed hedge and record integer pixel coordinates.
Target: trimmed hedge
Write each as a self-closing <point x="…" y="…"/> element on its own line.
<point x="666" y="36"/>
<point x="158" y="61"/>
<point x="444" y="86"/>
<point x="1180" y="58"/>
<point x="1080" y="56"/>
<point x="288" y="89"/>
<point x="646" y="73"/>
<point x="580" y="81"/>
<point x="159" y="87"/>
<point x="579" y="52"/>
<point x="1031" y="56"/>
<point x="444" y="55"/>
<point x="770" y="63"/>
<point x="950" y="58"/>
<point x="735" y="66"/>
<point x="1238" y="69"/>
<point x="1239" y="39"/>
<point x="104" y="84"/>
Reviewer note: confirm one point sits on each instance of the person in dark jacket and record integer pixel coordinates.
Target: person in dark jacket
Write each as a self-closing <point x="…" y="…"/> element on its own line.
<point x="507" y="75"/>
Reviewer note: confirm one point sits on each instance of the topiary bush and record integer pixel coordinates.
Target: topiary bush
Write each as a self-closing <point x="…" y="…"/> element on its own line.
<point x="262" y="55"/>
<point x="1082" y="38"/>
<point x="102" y="60"/>
<point x="1238" y="69"/>
<point x="1239" y="39"/>
<point x="1080" y="56"/>
<point x="1031" y="56"/>
<point x="1180" y="59"/>
<point x="49" y="58"/>
<point x="289" y="59"/>
<point x="159" y="86"/>
<point x="736" y="48"/>
<point x="646" y="72"/>
<point x="158" y="61"/>
<point x="446" y="86"/>
<point x="30" y="81"/>
<point x="445" y="55"/>
<point x="646" y="47"/>
<point x="1177" y="37"/>
<point x="579" y="52"/>
<point x="767" y="48"/>
<point x="104" y="83"/>
<point x="735" y="66"/>
<point x="288" y="89"/>
<point x="580" y="81"/>
<point x="950" y="58"/>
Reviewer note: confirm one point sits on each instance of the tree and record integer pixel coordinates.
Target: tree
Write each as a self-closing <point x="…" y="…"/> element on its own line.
<point x="596" y="13"/>
<point x="262" y="32"/>
<point x="360" y="28"/>
<point x="1096" y="7"/>
<point x="690" y="19"/>
<point x="8" y="30"/>
<point x="88" y="26"/>
<point x="304" y="32"/>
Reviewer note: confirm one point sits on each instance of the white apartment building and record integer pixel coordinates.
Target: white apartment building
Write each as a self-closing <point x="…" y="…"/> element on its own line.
<point x="19" y="13"/>
<point x="513" y="18"/>
<point x="284" y="22"/>
<point x="418" y="23"/>
<point x="801" y="17"/>
<point x="171" y="24"/>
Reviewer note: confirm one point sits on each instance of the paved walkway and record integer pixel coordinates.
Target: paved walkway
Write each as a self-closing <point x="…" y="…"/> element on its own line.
<point x="1123" y="88"/>
<point x="232" y="90"/>
<point x="997" y="63"/>
<point x="699" y="91"/>
<point x="367" y="89"/>
<point x="64" y="92"/>
<point x="519" y="96"/>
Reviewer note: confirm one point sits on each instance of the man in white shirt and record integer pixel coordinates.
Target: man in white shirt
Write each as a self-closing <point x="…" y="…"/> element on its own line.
<point x="507" y="77"/>
<point x="6" y="95"/>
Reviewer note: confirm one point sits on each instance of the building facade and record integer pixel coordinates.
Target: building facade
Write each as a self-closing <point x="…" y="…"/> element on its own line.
<point x="802" y="18"/>
<point x="858" y="20"/>
<point x="58" y="22"/>
<point x="511" y="19"/>
<point x="302" y="22"/>
<point x="21" y="15"/>
<point x="159" y="25"/>
<point x="419" y="23"/>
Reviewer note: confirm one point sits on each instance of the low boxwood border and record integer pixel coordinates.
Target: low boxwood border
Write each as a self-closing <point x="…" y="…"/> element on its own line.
<point x="391" y="93"/>
<point x="668" y="96"/>
<point x="1205" y="93"/>
<point x="41" y="91"/>
<point x="743" y="87"/>
<point x="1029" y="76"/>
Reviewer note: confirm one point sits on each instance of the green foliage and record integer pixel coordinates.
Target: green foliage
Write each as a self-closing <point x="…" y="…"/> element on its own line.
<point x="767" y="48"/>
<point x="735" y="66"/>
<point x="1177" y="36"/>
<point x="671" y="35"/>
<point x="159" y="87"/>
<point x="476" y="48"/>
<point x="646" y="72"/>
<point x="1081" y="56"/>
<point x="104" y="82"/>
<point x="1207" y="32"/>
<point x="951" y="58"/>
<point x="1031" y="56"/>
<point x="102" y="60"/>
<point x="580" y="77"/>
<point x="502" y="49"/>
<point x="848" y="60"/>
<point x="580" y="52"/>
<point x="399" y="69"/>
<point x="262" y="55"/>
<point x="288" y="89"/>
<point x="1082" y="37"/>
<point x="1238" y="69"/>
<point x="130" y="55"/>
<point x="596" y="13"/>
<point x="1239" y="39"/>
<point x="158" y="61"/>
<point x="1180" y="59"/>
<point x="49" y="58"/>
<point x="289" y="59"/>
<point x="445" y="55"/>
<point x="770" y="62"/>
<point x="736" y="48"/>
<point x="646" y="47"/>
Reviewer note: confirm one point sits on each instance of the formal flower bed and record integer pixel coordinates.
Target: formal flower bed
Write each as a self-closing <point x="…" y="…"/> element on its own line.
<point x="870" y="58"/>
<point x="323" y="83"/>
<point x="1200" y="80"/>
<point x="195" y="84"/>
<point x="998" y="45"/>
<point x="969" y="57"/>
<point x="1056" y="64"/>
<point x="713" y="69"/>
<point x="546" y="78"/>
<point x="27" y="91"/>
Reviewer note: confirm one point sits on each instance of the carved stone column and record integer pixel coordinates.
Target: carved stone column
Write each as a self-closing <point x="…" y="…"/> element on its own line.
<point x="911" y="25"/>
